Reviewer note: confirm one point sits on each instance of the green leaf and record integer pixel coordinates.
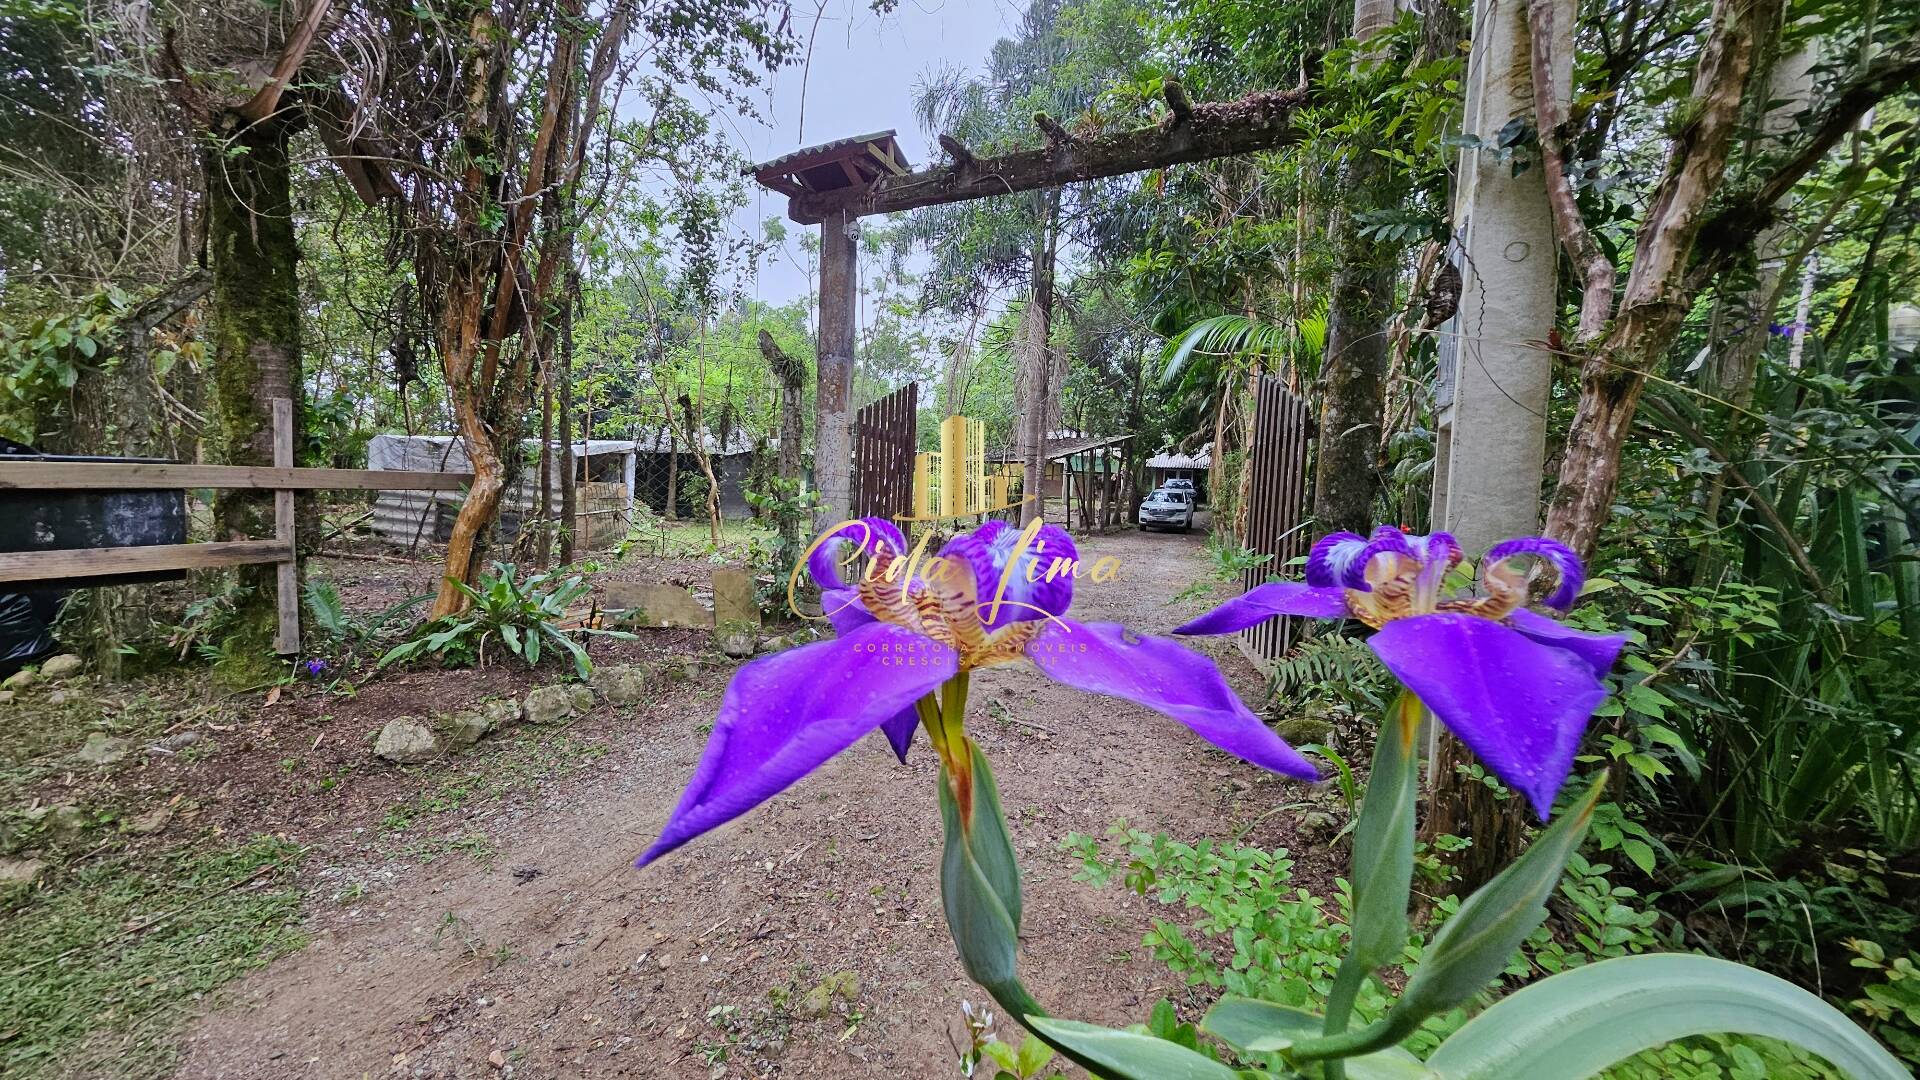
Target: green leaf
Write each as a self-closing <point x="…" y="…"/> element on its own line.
<point x="1261" y="1027"/>
<point x="983" y="930"/>
<point x="1579" y="1022"/>
<point x="512" y="636"/>
<point x="1033" y="1057"/>
<point x="1474" y="947"/>
<point x="992" y="845"/>
<point x="1129" y="1055"/>
<point x="1383" y="839"/>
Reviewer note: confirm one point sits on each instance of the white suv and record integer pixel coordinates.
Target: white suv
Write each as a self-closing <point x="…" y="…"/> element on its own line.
<point x="1167" y="508"/>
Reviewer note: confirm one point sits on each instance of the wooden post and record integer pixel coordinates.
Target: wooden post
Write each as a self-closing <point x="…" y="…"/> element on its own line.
<point x="833" y="429"/>
<point x="286" y="641"/>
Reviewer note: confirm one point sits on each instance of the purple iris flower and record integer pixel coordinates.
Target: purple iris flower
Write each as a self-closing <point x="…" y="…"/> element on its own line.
<point x="315" y="667"/>
<point x="1517" y="687"/>
<point x="908" y="625"/>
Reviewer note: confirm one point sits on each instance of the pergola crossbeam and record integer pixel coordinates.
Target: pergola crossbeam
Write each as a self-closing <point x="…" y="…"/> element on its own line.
<point x="1190" y="132"/>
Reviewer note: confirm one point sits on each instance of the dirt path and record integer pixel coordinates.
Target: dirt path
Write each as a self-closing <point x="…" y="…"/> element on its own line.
<point x="559" y="959"/>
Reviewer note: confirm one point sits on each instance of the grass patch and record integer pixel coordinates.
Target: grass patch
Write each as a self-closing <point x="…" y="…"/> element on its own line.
<point x="96" y="972"/>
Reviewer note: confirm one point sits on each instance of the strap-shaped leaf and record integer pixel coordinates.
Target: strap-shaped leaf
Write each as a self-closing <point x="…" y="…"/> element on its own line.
<point x="1261" y="1027"/>
<point x="1579" y="1022"/>
<point x="1475" y="945"/>
<point x="1128" y="1055"/>
<point x="992" y="847"/>
<point x="1383" y="839"/>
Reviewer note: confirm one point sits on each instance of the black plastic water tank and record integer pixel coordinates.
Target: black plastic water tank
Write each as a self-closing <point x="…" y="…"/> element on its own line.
<point x="53" y="520"/>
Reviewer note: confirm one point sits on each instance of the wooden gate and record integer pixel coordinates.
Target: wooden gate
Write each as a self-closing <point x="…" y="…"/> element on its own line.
<point x="885" y="436"/>
<point x="1276" y="506"/>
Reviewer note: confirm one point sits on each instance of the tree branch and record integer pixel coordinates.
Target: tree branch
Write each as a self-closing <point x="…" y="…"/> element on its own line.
<point x="1748" y="214"/>
<point x="1569" y="224"/>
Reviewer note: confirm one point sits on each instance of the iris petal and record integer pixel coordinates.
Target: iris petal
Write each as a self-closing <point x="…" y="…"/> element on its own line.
<point x="1385" y="540"/>
<point x="1330" y="557"/>
<point x="865" y="535"/>
<point x="1167" y="677"/>
<point x="783" y="716"/>
<point x="1570" y="573"/>
<point x="1263" y="602"/>
<point x="844" y="610"/>
<point x="899" y="731"/>
<point x="1598" y="650"/>
<point x="1031" y="592"/>
<point x="1519" y="705"/>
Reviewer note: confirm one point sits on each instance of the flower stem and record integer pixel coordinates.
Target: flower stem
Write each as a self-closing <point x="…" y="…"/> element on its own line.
<point x="1382" y="870"/>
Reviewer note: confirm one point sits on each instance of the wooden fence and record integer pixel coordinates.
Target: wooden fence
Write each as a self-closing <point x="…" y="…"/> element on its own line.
<point x="282" y="478"/>
<point x="1276" y="505"/>
<point x="886" y="435"/>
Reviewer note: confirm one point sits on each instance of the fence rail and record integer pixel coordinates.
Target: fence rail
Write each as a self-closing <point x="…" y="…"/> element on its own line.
<point x="282" y="478"/>
<point x="113" y="476"/>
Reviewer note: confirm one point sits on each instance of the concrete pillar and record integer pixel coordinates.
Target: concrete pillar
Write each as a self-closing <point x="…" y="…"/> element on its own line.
<point x="833" y="400"/>
<point x="1493" y="424"/>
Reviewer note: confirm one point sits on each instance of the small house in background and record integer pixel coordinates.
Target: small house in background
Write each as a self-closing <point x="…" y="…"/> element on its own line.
<point x="612" y="477"/>
<point x="1071" y="453"/>
<point x="1170" y="466"/>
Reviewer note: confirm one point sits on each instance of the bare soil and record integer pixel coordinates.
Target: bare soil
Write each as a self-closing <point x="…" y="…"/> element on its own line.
<point x="538" y="951"/>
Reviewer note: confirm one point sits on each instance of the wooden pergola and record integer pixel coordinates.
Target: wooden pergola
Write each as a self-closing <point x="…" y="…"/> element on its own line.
<point x="835" y="184"/>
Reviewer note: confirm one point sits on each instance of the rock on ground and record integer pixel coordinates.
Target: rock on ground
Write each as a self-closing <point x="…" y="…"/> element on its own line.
<point x="622" y="684"/>
<point x="19" y="874"/>
<point x="552" y="704"/>
<point x="408" y="741"/>
<point x="467" y="727"/>
<point x="60" y="667"/>
<point x="102" y="749"/>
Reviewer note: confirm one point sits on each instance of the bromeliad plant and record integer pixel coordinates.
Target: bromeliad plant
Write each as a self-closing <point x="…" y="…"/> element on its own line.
<point x="1514" y="685"/>
<point x="522" y="618"/>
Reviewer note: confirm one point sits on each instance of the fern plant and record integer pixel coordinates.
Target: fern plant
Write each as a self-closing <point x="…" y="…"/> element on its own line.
<point x="1331" y="667"/>
<point x="342" y="630"/>
<point x="523" y="617"/>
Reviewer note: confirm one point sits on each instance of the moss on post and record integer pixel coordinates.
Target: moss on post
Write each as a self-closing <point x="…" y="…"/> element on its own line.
<point x="255" y="324"/>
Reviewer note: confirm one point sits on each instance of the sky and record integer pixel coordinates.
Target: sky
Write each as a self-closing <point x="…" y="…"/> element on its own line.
<point x="862" y="77"/>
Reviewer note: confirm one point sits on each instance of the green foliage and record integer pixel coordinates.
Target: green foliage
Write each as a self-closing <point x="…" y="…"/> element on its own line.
<point x="1331" y="668"/>
<point x="1891" y="1002"/>
<point x="42" y="361"/>
<point x="1254" y="933"/>
<point x="332" y="628"/>
<point x="521" y="617"/>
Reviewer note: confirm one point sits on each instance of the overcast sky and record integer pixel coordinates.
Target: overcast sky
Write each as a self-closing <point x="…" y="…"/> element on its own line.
<point x="862" y="78"/>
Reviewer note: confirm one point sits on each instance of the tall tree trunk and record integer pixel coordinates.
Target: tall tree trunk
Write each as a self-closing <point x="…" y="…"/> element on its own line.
<point x="252" y="254"/>
<point x="672" y="511"/>
<point x="792" y="375"/>
<point x="1353" y="372"/>
<point x="1040" y="354"/>
<point x="1620" y="347"/>
<point x="569" y="483"/>
<point x="538" y="528"/>
<point x="1353" y="390"/>
<point x="833" y="397"/>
